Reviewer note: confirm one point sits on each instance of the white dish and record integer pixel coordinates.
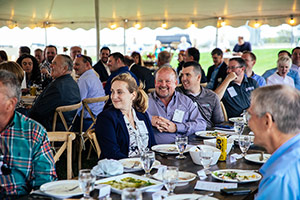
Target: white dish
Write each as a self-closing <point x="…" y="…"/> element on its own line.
<point x="236" y="119"/>
<point x="169" y="148"/>
<point x="210" y="134"/>
<point x="61" y="189"/>
<point x="242" y="176"/>
<point x="134" y="164"/>
<point x="157" y="184"/>
<point x="195" y="154"/>
<point x="255" y="158"/>
<point x="184" y="177"/>
<point x="189" y="196"/>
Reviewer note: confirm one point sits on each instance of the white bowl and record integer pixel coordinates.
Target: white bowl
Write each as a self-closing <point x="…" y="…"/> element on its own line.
<point x="212" y="142"/>
<point x="195" y="154"/>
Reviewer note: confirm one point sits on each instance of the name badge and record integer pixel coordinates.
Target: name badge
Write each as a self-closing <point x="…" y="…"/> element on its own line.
<point x="142" y="127"/>
<point x="178" y="116"/>
<point x="232" y="91"/>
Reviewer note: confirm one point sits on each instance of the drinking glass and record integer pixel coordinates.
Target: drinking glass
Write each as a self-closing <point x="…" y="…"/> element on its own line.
<point x="86" y="182"/>
<point x="181" y="143"/>
<point x="147" y="159"/>
<point x="170" y="178"/>
<point x="131" y="194"/>
<point x="244" y="143"/>
<point x="206" y="156"/>
<point x="239" y="127"/>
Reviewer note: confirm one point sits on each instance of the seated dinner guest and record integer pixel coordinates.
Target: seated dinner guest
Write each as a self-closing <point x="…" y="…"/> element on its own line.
<point x="235" y="90"/>
<point x="280" y="76"/>
<point x="24" y="145"/>
<point x="31" y="68"/>
<point x="172" y="112"/>
<point x="124" y="129"/>
<point x="274" y="119"/>
<point x="62" y="91"/>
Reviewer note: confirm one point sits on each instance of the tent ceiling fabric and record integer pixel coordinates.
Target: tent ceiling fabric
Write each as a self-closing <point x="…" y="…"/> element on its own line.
<point x="149" y="13"/>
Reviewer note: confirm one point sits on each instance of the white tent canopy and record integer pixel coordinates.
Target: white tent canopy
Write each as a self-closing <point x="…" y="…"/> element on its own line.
<point x="149" y="13"/>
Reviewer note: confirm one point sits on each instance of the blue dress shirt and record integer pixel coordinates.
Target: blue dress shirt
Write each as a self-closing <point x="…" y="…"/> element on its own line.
<point x="281" y="173"/>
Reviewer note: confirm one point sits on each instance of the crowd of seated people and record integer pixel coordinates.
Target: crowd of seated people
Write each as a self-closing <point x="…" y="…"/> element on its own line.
<point x="131" y="120"/>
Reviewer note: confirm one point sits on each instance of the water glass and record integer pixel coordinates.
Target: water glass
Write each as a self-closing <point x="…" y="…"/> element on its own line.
<point x="147" y="160"/>
<point x="239" y="127"/>
<point x="206" y="157"/>
<point x="131" y="194"/>
<point x="170" y="178"/>
<point x="244" y="143"/>
<point x="181" y="143"/>
<point x="86" y="182"/>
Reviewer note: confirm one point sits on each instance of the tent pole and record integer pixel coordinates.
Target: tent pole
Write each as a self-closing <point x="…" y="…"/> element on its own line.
<point x="125" y="22"/>
<point x="97" y="28"/>
<point x="46" y="37"/>
<point x="217" y="36"/>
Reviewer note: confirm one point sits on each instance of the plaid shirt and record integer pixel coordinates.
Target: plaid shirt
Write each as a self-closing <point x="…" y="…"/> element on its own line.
<point x="26" y="149"/>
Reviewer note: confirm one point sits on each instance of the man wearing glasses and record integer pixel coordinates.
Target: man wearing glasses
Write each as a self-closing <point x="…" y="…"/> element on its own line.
<point x="236" y="89"/>
<point x="274" y="119"/>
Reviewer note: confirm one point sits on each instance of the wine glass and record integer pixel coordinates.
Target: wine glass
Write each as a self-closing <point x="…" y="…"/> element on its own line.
<point x="244" y="143"/>
<point x="86" y="182"/>
<point x="147" y="160"/>
<point x="170" y="178"/>
<point x="131" y="194"/>
<point x="181" y="143"/>
<point x="206" y="157"/>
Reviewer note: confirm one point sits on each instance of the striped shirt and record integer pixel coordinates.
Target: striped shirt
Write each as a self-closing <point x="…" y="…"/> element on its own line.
<point x="26" y="149"/>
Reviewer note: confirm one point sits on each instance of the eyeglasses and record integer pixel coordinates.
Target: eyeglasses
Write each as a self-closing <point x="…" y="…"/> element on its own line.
<point x="234" y="67"/>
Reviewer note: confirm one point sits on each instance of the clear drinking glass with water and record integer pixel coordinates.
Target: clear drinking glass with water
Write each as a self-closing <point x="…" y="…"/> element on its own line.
<point x="86" y="182"/>
<point x="131" y="194"/>
<point x="170" y="178"/>
<point x="206" y="156"/>
<point x="147" y="160"/>
<point x="244" y="143"/>
<point x="181" y="143"/>
<point x="239" y="127"/>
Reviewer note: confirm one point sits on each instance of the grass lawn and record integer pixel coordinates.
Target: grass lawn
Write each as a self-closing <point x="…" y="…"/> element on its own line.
<point x="265" y="59"/>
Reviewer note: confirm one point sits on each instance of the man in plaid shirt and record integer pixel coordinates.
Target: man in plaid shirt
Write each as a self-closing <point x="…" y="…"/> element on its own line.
<point x="24" y="145"/>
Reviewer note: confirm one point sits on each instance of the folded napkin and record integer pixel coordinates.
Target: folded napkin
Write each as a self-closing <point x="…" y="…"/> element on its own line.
<point x="107" y="167"/>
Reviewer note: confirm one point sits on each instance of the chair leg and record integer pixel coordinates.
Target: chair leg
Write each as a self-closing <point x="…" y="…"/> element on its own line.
<point x="69" y="158"/>
<point x="79" y="155"/>
<point x="90" y="150"/>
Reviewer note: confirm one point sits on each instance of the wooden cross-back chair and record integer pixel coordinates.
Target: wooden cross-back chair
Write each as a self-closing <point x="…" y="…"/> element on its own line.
<point x="89" y="134"/>
<point x="64" y="136"/>
<point x="224" y="112"/>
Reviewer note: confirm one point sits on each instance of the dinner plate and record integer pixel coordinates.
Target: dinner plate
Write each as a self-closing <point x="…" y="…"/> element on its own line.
<point x="62" y="189"/>
<point x="169" y="148"/>
<point x="184" y="177"/>
<point x="157" y="185"/>
<point x="134" y="164"/>
<point x="212" y="134"/>
<point x="189" y="196"/>
<point x="242" y="176"/>
<point x="256" y="158"/>
<point x="236" y="119"/>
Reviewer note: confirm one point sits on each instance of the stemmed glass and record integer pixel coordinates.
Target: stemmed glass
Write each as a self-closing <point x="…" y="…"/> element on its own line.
<point x="147" y="160"/>
<point x="244" y="143"/>
<point x="170" y="178"/>
<point x="181" y="143"/>
<point x="86" y="182"/>
<point x="206" y="156"/>
<point x="239" y="127"/>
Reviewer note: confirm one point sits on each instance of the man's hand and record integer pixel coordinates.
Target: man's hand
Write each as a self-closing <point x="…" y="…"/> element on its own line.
<point x="163" y="124"/>
<point x="45" y="71"/>
<point x="231" y="76"/>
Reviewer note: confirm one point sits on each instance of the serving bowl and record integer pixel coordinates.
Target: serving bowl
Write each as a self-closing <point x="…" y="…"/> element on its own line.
<point x="195" y="154"/>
